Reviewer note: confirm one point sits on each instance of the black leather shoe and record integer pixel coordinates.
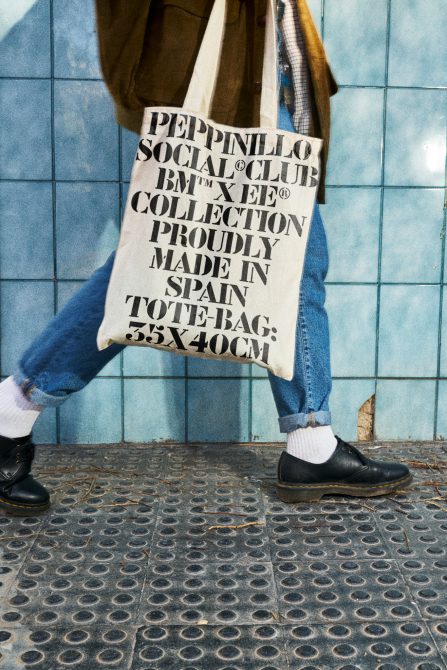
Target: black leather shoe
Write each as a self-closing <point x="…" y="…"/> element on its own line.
<point x="19" y="492"/>
<point x="347" y="472"/>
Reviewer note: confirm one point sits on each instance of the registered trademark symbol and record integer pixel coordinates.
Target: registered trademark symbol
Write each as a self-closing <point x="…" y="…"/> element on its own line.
<point x="240" y="165"/>
<point x="284" y="193"/>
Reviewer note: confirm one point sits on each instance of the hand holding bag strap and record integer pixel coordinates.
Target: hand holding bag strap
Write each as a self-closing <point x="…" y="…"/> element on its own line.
<point x="201" y="88"/>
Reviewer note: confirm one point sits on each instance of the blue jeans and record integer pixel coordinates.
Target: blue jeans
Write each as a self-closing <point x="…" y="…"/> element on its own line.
<point x="64" y="357"/>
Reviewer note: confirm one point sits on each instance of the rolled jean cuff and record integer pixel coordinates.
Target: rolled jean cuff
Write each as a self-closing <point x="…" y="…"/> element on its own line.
<point x="34" y="394"/>
<point x="294" y="421"/>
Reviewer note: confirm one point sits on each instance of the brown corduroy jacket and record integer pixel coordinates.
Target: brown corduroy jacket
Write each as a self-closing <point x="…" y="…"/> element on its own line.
<point x="148" y="50"/>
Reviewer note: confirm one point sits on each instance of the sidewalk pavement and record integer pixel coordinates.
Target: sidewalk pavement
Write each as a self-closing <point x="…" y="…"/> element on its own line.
<point x="156" y="557"/>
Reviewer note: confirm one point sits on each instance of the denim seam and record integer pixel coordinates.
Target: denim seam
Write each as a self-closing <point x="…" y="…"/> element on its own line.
<point x="305" y="354"/>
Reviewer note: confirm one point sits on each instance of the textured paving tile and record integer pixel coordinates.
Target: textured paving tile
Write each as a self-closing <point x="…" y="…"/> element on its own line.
<point x="205" y="537"/>
<point x="203" y="647"/>
<point x="183" y="557"/>
<point x="325" y="536"/>
<point x="17" y="535"/>
<point x="427" y="581"/>
<point x="83" y="539"/>
<point x="83" y="647"/>
<point x="214" y="461"/>
<point x="380" y="645"/>
<point x="439" y="633"/>
<point x="202" y="495"/>
<point x="346" y="591"/>
<point x="218" y="593"/>
<point x="91" y="594"/>
<point x="418" y="531"/>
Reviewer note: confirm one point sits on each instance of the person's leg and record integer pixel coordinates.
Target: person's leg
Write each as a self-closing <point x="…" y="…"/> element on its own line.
<point x="303" y="402"/>
<point x="63" y="358"/>
<point x="317" y="462"/>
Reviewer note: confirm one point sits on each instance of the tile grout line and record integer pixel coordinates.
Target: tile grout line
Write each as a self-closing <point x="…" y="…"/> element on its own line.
<point x="264" y="379"/>
<point x="66" y="280"/>
<point x="415" y="187"/>
<point x="99" y="79"/>
<point x="441" y="299"/>
<point x="322" y="26"/>
<point x="62" y="280"/>
<point x="54" y="194"/>
<point x="382" y="198"/>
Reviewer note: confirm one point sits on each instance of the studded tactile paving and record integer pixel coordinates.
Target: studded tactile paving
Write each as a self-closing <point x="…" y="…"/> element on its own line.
<point x="439" y="633"/>
<point x="225" y="647"/>
<point x="415" y="530"/>
<point x="331" y="535"/>
<point x="214" y="462"/>
<point x="63" y="456"/>
<point x="80" y="647"/>
<point x="157" y="557"/>
<point x="74" y="595"/>
<point x="85" y="539"/>
<point x="21" y="526"/>
<point x="102" y="457"/>
<point x="202" y="537"/>
<point x="201" y="495"/>
<point x="381" y="645"/>
<point x="427" y="581"/>
<point x="342" y="591"/>
<point x="219" y="593"/>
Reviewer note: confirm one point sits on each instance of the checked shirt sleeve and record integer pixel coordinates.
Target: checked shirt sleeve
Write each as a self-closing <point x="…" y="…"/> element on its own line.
<point x="295" y="72"/>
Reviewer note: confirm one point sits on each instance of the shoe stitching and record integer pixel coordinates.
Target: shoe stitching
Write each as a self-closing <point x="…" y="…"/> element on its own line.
<point x="37" y="505"/>
<point x="319" y="486"/>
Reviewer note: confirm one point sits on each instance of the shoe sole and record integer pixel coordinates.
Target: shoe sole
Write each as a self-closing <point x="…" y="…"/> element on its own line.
<point x="290" y="493"/>
<point x="23" y="509"/>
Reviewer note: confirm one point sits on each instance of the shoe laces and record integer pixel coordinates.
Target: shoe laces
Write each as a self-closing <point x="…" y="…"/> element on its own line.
<point x="353" y="450"/>
<point x="25" y="453"/>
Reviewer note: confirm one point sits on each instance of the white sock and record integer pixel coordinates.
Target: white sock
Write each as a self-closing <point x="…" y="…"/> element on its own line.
<point x="314" y="444"/>
<point x="17" y="413"/>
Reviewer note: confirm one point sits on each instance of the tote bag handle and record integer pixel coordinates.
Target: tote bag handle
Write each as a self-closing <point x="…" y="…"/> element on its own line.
<point x="200" y="92"/>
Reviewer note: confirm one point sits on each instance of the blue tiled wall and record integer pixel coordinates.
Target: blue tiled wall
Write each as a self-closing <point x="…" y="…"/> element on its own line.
<point x="385" y="221"/>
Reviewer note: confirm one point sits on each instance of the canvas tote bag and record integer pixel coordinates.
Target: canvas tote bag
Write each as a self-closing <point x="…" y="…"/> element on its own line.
<point x="213" y="239"/>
